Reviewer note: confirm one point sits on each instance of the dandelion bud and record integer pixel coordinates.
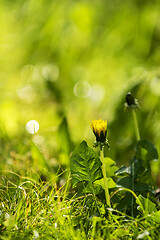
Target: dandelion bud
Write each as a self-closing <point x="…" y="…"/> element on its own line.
<point x="130" y="99"/>
<point x="99" y="128"/>
<point x="131" y="102"/>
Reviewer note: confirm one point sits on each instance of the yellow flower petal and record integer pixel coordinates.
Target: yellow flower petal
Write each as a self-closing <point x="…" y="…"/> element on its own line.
<point x="99" y="127"/>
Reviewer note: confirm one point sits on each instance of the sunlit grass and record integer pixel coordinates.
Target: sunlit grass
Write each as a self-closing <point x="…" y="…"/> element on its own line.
<point x="43" y="210"/>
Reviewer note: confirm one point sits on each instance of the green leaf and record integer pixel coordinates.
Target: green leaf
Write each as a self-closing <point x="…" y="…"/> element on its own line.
<point x="110" y="183"/>
<point x="156" y="216"/>
<point x="85" y="165"/>
<point x="122" y="171"/>
<point x="125" y="202"/>
<point x="136" y="167"/>
<point x="65" y="142"/>
<point x="148" y="206"/>
<point x="140" y="166"/>
<point x="155" y="168"/>
<point x="146" y="151"/>
<point x="64" y="136"/>
<point x="88" y="189"/>
<point x="110" y="166"/>
<point x="125" y="182"/>
<point x="142" y="187"/>
<point x="38" y="158"/>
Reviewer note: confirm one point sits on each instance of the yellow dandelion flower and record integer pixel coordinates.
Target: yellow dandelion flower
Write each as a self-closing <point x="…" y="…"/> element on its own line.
<point x="99" y="128"/>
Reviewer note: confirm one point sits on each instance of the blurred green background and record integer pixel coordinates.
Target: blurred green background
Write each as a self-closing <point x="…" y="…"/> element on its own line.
<point x="65" y="63"/>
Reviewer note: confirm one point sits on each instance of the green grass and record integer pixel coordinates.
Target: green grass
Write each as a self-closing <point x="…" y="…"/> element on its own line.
<point x="42" y="204"/>
<point x="31" y="210"/>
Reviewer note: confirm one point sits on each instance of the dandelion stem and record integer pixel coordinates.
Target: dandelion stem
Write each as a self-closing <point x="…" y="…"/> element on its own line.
<point x="136" y="124"/>
<point x="104" y="176"/>
<point x="132" y="176"/>
<point x="132" y="164"/>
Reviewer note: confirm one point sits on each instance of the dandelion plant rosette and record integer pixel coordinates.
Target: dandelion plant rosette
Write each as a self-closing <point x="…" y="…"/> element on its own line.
<point x="99" y="128"/>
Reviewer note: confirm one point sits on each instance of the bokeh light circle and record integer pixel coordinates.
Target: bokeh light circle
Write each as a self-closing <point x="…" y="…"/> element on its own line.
<point x="32" y="126"/>
<point x="82" y="89"/>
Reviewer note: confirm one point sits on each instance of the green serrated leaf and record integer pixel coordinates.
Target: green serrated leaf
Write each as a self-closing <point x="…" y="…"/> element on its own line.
<point x="148" y="205"/>
<point x="85" y="165"/>
<point x="156" y="216"/>
<point x="88" y="189"/>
